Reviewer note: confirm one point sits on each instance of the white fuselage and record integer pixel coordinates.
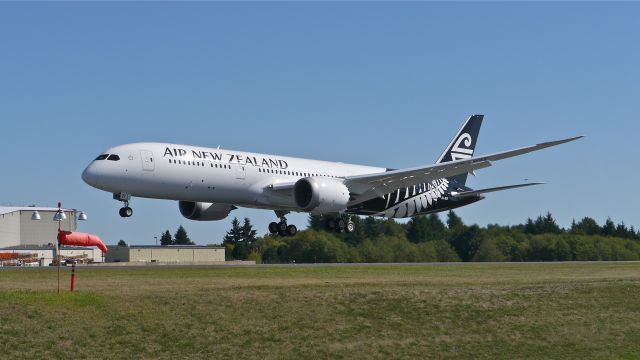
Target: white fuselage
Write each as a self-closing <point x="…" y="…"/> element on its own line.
<point x="199" y="174"/>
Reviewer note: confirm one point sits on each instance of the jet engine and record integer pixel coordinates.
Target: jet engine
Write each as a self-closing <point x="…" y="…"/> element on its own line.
<point x="204" y="211"/>
<point x="320" y="195"/>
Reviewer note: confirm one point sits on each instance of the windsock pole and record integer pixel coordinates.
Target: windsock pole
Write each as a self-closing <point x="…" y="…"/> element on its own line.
<point x="73" y="276"/>
<point x="58" y="249"/>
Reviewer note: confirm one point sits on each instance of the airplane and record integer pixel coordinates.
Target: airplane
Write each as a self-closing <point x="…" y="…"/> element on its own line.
<point x="209" y="183"/>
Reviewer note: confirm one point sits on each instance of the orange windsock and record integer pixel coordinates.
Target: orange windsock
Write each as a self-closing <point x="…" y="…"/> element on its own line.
<point x="80" y="239"/>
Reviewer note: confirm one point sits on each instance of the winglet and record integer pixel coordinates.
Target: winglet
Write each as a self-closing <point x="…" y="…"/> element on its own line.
<point x="558" y="142"/>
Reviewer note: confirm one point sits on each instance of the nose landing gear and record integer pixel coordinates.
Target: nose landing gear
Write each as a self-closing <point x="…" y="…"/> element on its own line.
<point x="125" y="211"/>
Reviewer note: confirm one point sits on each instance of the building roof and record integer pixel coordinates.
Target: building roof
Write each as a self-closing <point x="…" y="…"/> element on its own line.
<point x="10" y="209"/>
<point x="168" y="247"/>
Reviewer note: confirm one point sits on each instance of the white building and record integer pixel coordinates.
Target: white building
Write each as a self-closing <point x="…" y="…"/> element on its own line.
<point x="18" y="229"/>
<point x="173" y="254"/>
<point x="25" y="241"/>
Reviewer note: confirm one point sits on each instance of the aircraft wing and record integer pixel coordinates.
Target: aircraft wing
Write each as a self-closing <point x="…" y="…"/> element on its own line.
<point x="369" y="186"/>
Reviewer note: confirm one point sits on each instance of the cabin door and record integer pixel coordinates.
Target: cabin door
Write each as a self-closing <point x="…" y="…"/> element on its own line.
<point x="147" y="160"/>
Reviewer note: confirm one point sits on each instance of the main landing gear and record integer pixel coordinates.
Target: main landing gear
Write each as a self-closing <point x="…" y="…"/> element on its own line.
<point x="340" y="225"/>
<point x="125" y="211"/>
<point x="282" y="228"/>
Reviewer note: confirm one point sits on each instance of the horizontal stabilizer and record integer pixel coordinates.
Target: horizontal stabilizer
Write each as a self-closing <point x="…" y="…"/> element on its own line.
<point x="488" y="190"/>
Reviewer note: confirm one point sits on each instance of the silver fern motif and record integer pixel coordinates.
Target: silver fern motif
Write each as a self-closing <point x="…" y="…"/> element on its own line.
<point x="413" y="200"/>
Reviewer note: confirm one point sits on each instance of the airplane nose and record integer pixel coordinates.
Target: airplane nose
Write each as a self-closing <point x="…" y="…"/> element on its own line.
<point x="90" y="175"/>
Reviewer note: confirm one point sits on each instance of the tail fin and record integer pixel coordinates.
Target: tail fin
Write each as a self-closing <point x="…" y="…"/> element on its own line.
<point x="462" y="145"/>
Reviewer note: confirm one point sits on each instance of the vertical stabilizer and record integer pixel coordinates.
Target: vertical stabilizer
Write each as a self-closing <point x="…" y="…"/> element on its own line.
<point x="463" y="145"/>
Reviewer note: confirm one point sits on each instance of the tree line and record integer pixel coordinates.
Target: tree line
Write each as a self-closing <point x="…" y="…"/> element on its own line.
<point x="429" y="239"/>
<point x="180" y="238"/>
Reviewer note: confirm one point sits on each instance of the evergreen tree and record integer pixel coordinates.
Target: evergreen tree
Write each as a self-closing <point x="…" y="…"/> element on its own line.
<point x="542" y="225"/>
<point x="426" y="228"/>
<point x="587" y="226"/>
<point x="623" y="232"/>
<point x="181" y="237"/>
<point x="454" y="222"/>
<point x="247" y="232"/>
<point x="234" y="235"/>
<point x="466" y="242"/>
<point x="547" y="225"/>
<point x="248" y="241"/>
<point x="240" y="241"/>
<point x="166" y="239"/>
<point x="316" y="222"/>
<point x="530" y="227"/>
<point x="609" y="228"/>
<point x="122" y="243"/>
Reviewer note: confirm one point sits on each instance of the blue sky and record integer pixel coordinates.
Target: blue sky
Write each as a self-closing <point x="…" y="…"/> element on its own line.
<point x="383" y="84"/>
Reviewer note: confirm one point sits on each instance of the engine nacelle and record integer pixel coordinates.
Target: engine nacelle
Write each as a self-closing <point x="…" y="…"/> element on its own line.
<point x="204" y="211"/>
<point x="320" y="195"/>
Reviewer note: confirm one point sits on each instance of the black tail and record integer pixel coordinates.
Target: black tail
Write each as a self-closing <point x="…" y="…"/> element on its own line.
<point x="462" y="145"/>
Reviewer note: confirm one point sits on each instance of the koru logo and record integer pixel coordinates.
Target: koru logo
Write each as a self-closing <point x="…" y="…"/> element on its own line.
<point x="461" y="149"/>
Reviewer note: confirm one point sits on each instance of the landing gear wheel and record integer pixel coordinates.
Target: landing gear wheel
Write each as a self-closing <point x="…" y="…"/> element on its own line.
<point x="282" y="228"/>
<point x="126" y="212"/>
<point x="351" y="226"/>
<point x="340" y="225"/>
<point x="273" y="228"/>
<point x="292" y="230"/>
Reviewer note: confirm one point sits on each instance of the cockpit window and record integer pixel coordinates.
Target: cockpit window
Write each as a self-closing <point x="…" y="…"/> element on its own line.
<point x="113" y="157"/>
<point x="102" y="157"/>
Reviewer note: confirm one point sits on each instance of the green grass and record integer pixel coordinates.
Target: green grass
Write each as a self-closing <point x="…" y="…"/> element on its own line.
<point x="479" y="311"/>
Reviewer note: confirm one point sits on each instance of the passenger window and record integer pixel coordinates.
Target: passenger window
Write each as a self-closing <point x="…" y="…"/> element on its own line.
<point x="113" y="157"/>
<point x="102" y="157"/>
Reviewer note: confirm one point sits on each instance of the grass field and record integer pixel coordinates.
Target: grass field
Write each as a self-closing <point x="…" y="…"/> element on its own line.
<point x="546" y="310"/>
